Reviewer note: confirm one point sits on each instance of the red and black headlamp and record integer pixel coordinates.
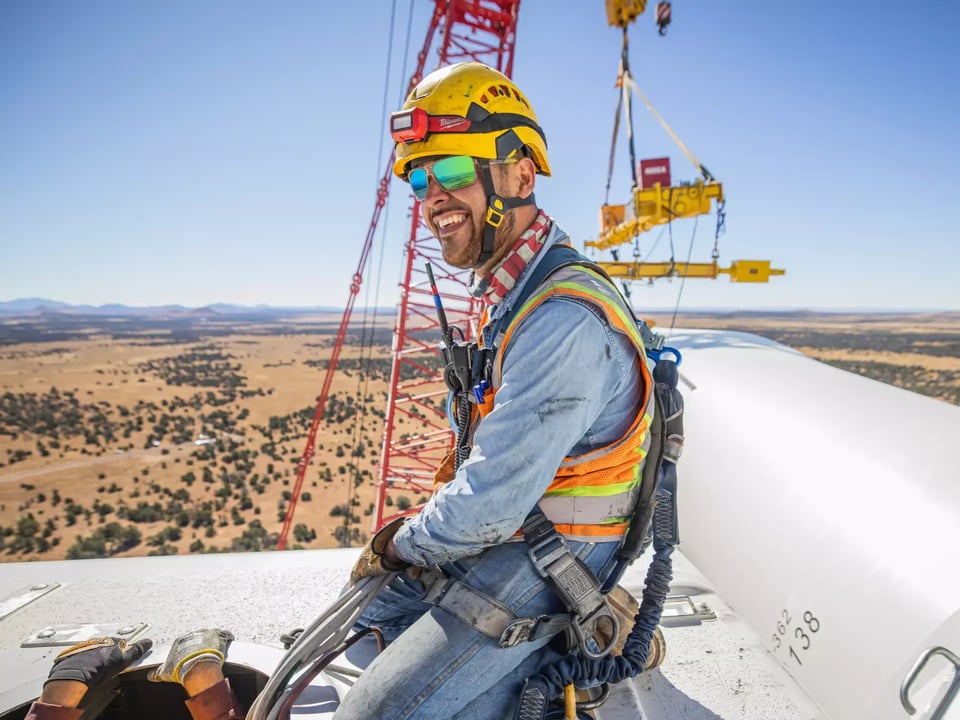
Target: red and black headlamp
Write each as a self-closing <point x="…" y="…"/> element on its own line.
<point x="415" y="125"/>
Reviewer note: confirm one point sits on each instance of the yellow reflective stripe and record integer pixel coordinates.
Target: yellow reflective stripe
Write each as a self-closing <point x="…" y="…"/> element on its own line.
<point x="625" y="324"/>
<point x="599" y="490"/>
<point x="603" y="299"/>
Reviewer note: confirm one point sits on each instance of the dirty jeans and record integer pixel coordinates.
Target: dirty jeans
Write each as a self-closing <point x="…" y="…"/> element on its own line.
<point x="439" y="668"/>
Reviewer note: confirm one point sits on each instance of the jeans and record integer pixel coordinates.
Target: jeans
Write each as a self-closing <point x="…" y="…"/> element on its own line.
<point x="437" y="667"/>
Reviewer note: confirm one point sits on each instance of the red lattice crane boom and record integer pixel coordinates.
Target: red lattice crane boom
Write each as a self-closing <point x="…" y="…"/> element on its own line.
<point x="484" y="31"/>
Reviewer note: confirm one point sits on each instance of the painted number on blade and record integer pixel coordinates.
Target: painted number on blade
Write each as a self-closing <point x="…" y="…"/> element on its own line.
<point x="795" y="635"/>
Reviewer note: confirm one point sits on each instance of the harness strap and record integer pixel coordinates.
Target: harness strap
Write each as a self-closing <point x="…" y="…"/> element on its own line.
<point x="558" y="255"/>
<point x="491" y="617"/>
<point x="569" y="578"/>
<point x="572" y="581"/>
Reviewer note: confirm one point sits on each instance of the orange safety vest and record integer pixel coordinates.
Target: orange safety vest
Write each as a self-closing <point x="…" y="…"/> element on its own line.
<point x="592" y="496"/>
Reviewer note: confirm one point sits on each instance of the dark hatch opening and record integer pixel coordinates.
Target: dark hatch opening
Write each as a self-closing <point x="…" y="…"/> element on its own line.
<point x="136" y="698"/>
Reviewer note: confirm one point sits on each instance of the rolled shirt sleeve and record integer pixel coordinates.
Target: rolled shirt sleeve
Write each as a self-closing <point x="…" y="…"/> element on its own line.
<point x="562" y="367"/>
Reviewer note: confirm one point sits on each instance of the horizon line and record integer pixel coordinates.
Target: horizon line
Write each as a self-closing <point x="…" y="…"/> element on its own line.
<point x="48" y="304"/>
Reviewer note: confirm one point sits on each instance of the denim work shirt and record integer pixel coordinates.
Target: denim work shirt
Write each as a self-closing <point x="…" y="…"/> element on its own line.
<point x="570" y="384"/>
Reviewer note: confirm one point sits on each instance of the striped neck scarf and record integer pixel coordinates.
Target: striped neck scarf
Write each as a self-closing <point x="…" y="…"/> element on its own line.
<point x="493" y="287"/>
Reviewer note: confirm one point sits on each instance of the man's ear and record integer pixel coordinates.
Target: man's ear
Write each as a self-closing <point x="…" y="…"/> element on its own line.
<point x="525" y="175"/>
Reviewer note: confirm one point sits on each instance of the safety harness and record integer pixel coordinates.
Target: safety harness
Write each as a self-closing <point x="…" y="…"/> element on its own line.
<point x="469" y="376"/>
<point x="578" y="668"/>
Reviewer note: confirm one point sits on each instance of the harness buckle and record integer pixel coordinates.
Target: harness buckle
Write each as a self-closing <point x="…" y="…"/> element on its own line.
<point x="437" y="587"/>
<point x="673" y="448"/>
<point x="586" y="629"/>
<point x="495" y="211"/>
<point x="545" y="545"/>
<point x="480" y="391"/>
<point x="518" y="631"/>
<point x="546" y="551"/>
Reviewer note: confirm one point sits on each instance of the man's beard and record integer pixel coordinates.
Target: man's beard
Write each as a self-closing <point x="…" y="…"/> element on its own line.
<point x="469" y="256"/>
<point x="464" y="256"/>
<point x="502" y="241"/>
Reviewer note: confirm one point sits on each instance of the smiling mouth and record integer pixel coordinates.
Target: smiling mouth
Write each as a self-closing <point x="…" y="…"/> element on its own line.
<point x="450" y="221"/>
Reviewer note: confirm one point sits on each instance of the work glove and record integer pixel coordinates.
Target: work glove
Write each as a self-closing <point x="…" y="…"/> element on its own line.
<point x="96" y="661"/>
<point x="372" y="560"/>
<point x="189" y="649"/>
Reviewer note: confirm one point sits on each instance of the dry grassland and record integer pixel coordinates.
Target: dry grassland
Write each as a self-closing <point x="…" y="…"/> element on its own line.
<point x="282" y="374"/>
<point x="110" y="372"/>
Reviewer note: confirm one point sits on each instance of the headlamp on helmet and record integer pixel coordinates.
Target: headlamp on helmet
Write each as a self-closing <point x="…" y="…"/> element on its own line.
<point x="414" y="125"/>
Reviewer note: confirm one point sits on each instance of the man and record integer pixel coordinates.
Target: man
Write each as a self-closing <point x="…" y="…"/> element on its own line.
<point x="195" y="661"/>
<point x="561" y="429"/>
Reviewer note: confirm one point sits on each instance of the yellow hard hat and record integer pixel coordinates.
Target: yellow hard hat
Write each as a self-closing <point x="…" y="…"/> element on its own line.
<point x="466" y="109"/>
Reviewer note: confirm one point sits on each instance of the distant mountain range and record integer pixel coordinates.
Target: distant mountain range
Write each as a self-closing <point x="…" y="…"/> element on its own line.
<point x="42" y="306"/>
<point x="32" y="307"/>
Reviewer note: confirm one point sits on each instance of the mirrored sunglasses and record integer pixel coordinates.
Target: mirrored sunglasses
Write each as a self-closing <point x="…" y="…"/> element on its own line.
<point x="452" y="173"/>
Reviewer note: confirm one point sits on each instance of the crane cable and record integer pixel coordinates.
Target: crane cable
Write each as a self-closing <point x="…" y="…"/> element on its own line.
<point x="368" y="329"/>
<point x="624" y="106"/>
<point x="613" y="145"/>
<point x="683" y="280"/>
<point x="625" y="79"/>
<point x="707" y="175"/>
<point x="626" y="83"/>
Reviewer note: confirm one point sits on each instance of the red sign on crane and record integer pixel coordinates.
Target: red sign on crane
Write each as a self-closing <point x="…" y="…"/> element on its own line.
<point x="653" y="171"/>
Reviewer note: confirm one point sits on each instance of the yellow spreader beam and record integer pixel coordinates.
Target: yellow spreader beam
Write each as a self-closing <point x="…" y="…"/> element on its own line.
<point x="739" y="270"/>
<point x="654" y="206"/>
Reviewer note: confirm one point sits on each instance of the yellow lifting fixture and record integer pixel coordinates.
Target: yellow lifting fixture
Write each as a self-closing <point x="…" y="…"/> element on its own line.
<point x="654" y="206"/>
<point x="754" y="271"/>
<point x="658" y="204"/>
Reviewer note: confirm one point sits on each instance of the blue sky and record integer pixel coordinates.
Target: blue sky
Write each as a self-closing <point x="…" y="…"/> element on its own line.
<point x="198" y="152"/>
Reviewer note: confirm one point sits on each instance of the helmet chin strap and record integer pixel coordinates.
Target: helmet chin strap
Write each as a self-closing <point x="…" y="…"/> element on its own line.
<point x="497" y="207"/>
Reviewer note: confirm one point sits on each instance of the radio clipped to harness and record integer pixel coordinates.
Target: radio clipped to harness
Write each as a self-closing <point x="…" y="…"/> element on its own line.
<point x="457" y="356"/>
<point x="467" y="374"/>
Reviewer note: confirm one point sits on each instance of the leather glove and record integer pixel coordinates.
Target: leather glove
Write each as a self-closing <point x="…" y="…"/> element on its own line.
<point x="372" y="560"/>
<point x="189" y="649"/>
<point x="96" y="661"/>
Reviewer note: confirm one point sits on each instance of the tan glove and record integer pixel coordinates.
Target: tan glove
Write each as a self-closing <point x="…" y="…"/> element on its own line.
<point x="373" y="560"/>
<point x="625" y="606"/>
<point x="189" y="649"/>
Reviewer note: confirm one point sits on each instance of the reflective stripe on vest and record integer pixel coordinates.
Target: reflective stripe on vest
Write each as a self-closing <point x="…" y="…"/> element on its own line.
<point x="593" y="495"/>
